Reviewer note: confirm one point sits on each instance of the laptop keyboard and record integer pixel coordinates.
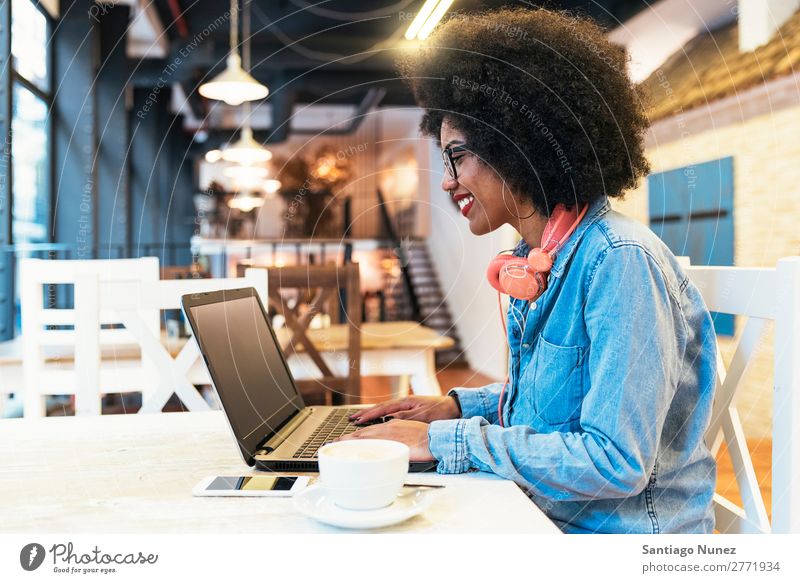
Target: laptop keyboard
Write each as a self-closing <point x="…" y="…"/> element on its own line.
<point x="335" y="425"/>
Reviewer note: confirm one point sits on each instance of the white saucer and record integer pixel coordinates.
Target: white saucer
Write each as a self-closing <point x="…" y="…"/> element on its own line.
<point x="315" y="503"/>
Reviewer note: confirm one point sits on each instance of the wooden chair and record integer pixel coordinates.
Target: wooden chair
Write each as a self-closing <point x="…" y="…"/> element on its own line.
<point x="76" y="335"/>
<point x="317" y="289"/>
<point x="759" y="295"/>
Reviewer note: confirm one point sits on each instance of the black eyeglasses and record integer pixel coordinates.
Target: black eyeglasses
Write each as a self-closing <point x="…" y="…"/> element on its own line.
<point x="449" y="161"/>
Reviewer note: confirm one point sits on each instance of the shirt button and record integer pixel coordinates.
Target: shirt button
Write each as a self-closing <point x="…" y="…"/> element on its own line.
<point x="526" y="345"/>
<point x="533" y="305"/>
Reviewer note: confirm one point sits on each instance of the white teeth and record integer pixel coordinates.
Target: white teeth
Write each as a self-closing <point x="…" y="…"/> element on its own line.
<point x="465" y="201"/>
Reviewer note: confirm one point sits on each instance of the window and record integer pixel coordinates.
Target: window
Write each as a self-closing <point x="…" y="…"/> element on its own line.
<point x="691" y="210"/>
<point x="30" y="170"/>
<point x="29" y="42"/>
<point x="30" y="135"/>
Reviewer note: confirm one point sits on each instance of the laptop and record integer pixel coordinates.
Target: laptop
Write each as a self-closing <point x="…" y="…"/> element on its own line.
<point x="273" y="427"/>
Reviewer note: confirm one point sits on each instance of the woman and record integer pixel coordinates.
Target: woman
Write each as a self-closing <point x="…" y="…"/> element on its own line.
<point x="612" y="366"/>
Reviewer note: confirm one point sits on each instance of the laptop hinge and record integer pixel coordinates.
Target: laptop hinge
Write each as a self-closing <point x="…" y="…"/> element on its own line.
<point x="284" y="432"/>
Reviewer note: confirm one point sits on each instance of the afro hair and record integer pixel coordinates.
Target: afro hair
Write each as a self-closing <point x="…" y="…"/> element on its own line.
<point x="541" y="96"/>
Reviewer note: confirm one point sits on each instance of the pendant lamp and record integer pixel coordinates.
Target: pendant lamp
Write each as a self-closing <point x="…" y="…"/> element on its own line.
<point x="234" y="85"/>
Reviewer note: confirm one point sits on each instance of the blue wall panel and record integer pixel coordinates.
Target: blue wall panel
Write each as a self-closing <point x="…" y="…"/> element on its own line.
<point x="691" y="209"/>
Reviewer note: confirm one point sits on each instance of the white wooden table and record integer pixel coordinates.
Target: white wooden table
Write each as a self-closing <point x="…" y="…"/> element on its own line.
<point x="135" y="473"/>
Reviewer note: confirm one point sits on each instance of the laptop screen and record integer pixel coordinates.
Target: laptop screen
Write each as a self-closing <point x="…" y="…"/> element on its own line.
<point x="247" y="366"/>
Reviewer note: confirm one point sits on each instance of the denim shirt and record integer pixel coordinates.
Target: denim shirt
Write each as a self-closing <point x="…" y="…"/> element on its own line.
<point x="612" y="375"/>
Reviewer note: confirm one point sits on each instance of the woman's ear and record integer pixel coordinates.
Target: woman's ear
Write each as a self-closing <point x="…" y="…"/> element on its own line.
<point x="518" y="205"/>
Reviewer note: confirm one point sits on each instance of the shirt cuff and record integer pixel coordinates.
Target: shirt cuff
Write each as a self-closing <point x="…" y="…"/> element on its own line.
<point x="446" y="443"/>
<point x="473" y="402"/>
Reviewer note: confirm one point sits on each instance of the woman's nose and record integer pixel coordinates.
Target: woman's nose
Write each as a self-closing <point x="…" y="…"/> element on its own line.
<point x="448" y="182"/>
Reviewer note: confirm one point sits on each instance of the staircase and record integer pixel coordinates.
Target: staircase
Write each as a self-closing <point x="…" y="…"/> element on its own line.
<point x="433" y="310"/>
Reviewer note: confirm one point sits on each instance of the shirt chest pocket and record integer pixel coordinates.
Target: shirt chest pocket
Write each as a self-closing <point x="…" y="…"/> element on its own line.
<point x="554" y="383"/>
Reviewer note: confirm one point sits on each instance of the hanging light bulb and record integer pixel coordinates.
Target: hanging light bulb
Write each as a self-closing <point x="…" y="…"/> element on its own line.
<point x="213" y="156"/>
<point x="246" y="172"/>
<point x="271" y="186"/>
<point x="247" y="177"/>
<point x="246" y="150"/>
<point x="246" y="201"/>
<point x="234" y="85"/>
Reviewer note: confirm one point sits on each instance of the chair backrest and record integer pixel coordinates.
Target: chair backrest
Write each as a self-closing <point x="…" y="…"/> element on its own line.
<point x="759" y="294"/>
<point x="75" y="331"/>
<point x="127" y="300"/>
<point x="38" y="278"/>
<point x="321" y="289"/>
<point x="193" y="271"/>
<point x="124" y="292"/>
<point x="165" y="294"/>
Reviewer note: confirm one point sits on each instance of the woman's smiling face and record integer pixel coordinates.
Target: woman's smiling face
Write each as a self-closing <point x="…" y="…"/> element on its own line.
<point x="480" y="192"/>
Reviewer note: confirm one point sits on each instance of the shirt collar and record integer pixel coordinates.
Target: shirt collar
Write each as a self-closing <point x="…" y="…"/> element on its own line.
<point x="596" y="210"/>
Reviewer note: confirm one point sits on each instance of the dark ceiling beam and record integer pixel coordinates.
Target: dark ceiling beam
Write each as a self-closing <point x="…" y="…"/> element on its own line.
<point x="280" y="131"/>
<point x="346" y="54"/>
<point x="266" y="60"/>
<point x="324" y="81"/>
<point x="331" y="86"/>
<point x="154" y="71"/>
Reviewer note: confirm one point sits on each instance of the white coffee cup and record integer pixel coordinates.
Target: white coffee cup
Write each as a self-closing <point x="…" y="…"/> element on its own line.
<point x="363" y="474"/>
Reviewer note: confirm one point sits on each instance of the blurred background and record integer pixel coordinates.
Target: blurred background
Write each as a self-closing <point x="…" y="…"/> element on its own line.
<point x="218" y="135"/>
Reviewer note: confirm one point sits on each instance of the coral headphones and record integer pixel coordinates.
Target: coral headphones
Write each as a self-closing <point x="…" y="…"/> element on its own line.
<point x="526" y="279"/>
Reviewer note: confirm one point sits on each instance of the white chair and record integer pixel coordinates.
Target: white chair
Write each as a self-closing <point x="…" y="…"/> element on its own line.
<point x="759" y="294"/>
<point x="129" y="300"/>
<point x="79" y="334"/>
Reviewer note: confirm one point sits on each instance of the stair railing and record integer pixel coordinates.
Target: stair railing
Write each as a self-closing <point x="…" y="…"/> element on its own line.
<point x="402" y="252"/>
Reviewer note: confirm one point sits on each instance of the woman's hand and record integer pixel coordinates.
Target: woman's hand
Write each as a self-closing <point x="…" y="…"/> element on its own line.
<point x="413" y="433"/>
<point x="424" y="409"/>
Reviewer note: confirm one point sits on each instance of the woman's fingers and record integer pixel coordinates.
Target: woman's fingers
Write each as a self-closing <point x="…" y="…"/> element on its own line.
<point x="382" y="409"/>
<point x="365" y="433"/>
<point x="376" y="412"/>
<point x="415" y="414"/>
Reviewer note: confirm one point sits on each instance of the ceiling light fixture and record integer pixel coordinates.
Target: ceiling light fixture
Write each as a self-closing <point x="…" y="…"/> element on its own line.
<point x="246" y="173"/>
<point x="213" y="156"/>
<point x="234" y="85"/>
<point x="271" y="186"/>
<point x="427" y="18"/>
<point x="246" y="150"/>
<point x="245" y="202"/>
